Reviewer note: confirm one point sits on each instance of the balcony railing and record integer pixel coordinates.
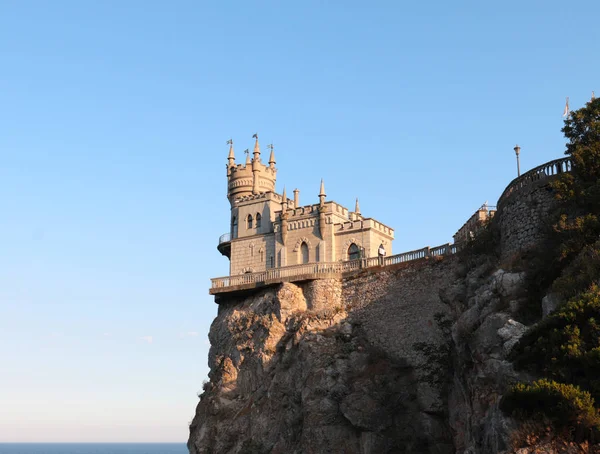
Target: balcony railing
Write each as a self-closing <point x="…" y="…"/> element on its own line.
<point x="324" y="269"/>
<point x="225" y="238"/>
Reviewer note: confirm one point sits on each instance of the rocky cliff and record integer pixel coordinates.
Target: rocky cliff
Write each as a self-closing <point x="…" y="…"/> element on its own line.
<point x="405" y="359"/>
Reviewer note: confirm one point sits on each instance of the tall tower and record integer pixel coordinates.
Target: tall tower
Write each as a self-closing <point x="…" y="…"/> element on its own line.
<point x="251" y="178"/>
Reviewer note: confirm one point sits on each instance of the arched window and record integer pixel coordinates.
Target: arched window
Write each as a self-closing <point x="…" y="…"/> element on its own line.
<point x="353" y="252"/>
<point x="249" y="221"/>
<point x="258" y="219"/>
<point x="304" y="252"/>
<point x="234" y="227"/>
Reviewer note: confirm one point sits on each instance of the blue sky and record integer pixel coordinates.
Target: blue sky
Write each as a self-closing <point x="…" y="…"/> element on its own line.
<point x="113" y="126"/>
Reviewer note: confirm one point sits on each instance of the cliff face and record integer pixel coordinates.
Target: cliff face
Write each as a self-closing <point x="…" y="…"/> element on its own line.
<point x="410" y="359"/>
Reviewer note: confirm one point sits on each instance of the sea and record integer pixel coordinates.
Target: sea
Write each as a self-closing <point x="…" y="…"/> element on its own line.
<point x="93" y="448"/>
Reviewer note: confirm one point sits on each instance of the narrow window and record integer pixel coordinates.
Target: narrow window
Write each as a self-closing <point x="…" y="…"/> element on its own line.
<point x="249" y="221"/>
<point x="304" y="252"/>
<point x="234" y="227"/>
<point x="272" y="262"/>
<point x="353" y="252"/>
<point x="258" y="220"/>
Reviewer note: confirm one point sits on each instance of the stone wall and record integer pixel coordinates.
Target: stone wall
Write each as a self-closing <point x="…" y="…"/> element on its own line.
<point x="523" y="217"/>
<point x="251" y="254"/>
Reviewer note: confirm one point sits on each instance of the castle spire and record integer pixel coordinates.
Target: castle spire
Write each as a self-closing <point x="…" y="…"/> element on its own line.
<point x="247" y="156"/>
<point x="357" y="207"/>
<point x="256" y="151"/>
<point x="322" y="194"/>
<point x="231" y="157"/>
<point x="272" y="156"/>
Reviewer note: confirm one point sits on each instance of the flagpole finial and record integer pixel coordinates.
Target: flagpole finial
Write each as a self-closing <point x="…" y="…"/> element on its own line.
<point x="566" y="111"/>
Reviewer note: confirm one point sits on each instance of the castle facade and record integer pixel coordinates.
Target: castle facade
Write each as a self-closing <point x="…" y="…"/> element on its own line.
<point x="268" y="230"/>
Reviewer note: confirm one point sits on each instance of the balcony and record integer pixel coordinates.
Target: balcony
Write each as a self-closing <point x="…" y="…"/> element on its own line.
<point x="224" y="246"/>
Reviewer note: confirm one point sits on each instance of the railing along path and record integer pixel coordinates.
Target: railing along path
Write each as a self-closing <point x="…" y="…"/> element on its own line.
<point x="546" y="170"/>
<point x="323" y="269"/>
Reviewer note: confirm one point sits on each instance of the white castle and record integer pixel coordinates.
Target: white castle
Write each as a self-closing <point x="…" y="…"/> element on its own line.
<point x="268" y="230"/>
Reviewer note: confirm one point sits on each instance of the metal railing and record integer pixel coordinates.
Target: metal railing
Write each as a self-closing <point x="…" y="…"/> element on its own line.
<point x="225" y="238"/>
<point x="324" y="269"/>
<point x="546" y="170"/>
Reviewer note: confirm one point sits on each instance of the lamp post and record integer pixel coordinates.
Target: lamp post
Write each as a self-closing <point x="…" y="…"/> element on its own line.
<point x="517" y="152"/>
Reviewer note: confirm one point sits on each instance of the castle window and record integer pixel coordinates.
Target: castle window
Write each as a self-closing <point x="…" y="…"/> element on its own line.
<point x="234" y="227"/>
<point x="258" y="220"/>
<point x="249" y="221"/>
<point x="353" y="252"/>
<point x="304" y="252"/>
<point x="272" y="262"/>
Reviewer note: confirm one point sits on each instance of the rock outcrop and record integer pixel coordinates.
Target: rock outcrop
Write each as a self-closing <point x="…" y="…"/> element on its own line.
<point x="411" y="359"/>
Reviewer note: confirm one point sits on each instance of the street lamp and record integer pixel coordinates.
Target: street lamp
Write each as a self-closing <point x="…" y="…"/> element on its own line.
<point x="517" y="152"/>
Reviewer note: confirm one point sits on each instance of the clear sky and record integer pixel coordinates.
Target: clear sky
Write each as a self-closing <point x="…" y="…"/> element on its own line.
<point x="114" y="119"/>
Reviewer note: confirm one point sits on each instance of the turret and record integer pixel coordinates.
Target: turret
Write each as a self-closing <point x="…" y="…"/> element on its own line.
<point x="284" y="202"/>
<point x="250" y="178"/>
<point x="322" y="210"/>
<point x="357" y="207"/>
<point x="230" y="158"/>
<point x="272" y="157"/>
<point x="322" y="194"/>
<point x="255" y="165"/>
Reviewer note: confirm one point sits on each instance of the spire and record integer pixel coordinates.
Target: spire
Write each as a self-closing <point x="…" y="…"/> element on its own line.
<point x="231" y="157"/>
<point x="247" y="156"/>
<point x="284" y="203"/>
<point x="272" y="156"/>
<point x="322" y="191"/>
<point x="322" y="194"/>
<point x="357" y="207"/>
<point x="256" y="151"/>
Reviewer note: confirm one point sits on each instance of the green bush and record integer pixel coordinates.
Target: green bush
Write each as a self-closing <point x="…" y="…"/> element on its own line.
<point x="566" y="345"/>
<point x="566" y="406"/>
<point x="581" y="273"/>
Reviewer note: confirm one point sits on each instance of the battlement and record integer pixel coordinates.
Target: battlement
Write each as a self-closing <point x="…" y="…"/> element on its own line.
<point x="260" y="196"/>
<point x="366" y="223"/>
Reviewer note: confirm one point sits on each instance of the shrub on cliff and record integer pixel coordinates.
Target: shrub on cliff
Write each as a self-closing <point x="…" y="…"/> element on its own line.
<point x="581" y="273"/>
<point x="566" y="345"/>
<point x="568" y="408"/>
<point x="580" y="188"/>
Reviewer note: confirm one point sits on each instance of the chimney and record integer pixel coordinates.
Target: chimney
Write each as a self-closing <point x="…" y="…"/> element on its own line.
<point x="296" y="198"/>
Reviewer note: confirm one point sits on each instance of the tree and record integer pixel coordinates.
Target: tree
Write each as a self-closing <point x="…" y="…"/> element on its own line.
<point x="582" y="129"/>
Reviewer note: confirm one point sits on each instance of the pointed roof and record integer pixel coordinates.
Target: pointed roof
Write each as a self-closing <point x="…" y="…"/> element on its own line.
<point x="256" y="146"/>
<point x="231" y="155"/>
<point x="284" y="197"/>
<point x="322" y="191"/>
<point x="247" y="156"/>
<point x="357" y="207"/>
<point x="272" y="156"/>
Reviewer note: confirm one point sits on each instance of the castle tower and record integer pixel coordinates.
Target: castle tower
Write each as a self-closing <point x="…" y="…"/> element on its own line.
<point x="250" y="178"/>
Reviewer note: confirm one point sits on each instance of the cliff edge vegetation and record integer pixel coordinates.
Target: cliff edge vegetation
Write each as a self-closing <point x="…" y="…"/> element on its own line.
<point x="563" y="350"/>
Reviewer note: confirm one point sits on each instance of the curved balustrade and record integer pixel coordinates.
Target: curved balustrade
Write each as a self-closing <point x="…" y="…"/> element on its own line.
<point x="544" y="171"/>
<point x="323" y="269"/>
<point x="225" y="238"/>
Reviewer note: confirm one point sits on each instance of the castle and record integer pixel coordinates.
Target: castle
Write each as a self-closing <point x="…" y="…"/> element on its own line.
<point x="268" y="230"/>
